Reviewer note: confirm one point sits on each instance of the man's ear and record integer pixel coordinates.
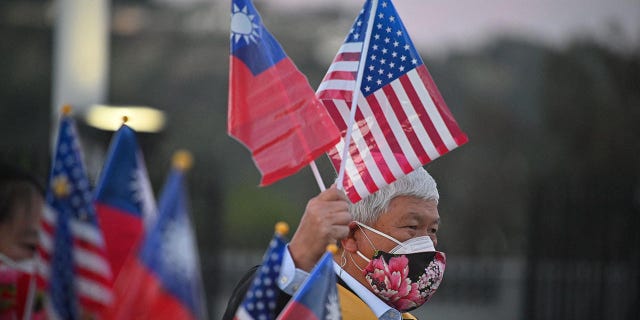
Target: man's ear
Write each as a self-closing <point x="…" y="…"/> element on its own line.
<point x="349" y="243"/>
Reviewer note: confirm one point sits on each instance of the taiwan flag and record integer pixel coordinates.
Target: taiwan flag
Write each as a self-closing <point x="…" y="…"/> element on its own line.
<point x="163" y="280"/>
<point x="317" y="298"/>
<point x="273" y="110"/>
<point x="124" y="199"/>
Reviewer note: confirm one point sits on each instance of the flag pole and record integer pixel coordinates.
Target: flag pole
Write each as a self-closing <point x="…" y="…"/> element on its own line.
<point x="316" y="174"/>
<point x="31" y="293"/>
<point x="356" y="93"/>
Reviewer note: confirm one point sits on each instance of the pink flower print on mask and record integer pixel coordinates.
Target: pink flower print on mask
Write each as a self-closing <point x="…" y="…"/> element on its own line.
<point x="404" y="283"/>
<point x="391" y="282"/>
<point x="431" y="279"/>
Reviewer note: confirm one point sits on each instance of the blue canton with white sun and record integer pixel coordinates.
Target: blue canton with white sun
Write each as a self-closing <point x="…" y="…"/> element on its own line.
<point x="245" y="24"/>
<point x="250" y="40"/>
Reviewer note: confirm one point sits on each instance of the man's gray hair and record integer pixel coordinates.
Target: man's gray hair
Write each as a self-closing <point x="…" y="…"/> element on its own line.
<point x="418" y="183"/>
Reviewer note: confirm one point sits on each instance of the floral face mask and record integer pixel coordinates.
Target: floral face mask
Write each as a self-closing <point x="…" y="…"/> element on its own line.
<point x="407" y="276"/>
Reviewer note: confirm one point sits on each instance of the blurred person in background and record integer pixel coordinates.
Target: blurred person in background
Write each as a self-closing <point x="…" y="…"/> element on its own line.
<point x="386" y="264"/>
<point x="21" y="207"/>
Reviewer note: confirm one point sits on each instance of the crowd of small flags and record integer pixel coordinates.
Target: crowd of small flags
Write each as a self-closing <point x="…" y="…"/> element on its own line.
<point x="116" y="253"/>
<point x="112" y="253"/>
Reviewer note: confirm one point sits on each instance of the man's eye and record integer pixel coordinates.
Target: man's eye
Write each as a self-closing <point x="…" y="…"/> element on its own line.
<point x="412" y="227"/>
<point x="434" y="230"/>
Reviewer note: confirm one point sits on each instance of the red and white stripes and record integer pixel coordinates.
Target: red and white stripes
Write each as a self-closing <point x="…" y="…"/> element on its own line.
<point x="403" y="125"/>
<point x="93" y="278"/>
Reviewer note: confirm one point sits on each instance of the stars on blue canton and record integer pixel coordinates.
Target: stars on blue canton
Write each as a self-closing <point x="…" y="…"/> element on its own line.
<point x="359" y="28"/>
<point x="260" y="301"/>
<point x="391" y="53"/>
<point x="68" y="167"/>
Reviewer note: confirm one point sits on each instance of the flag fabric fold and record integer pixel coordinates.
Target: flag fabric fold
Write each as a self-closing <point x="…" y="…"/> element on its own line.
<point x="272" y="109"/>
<point x="259" y="302"/>
<point x="124" y="199"/>
<point x="401" y="121"/>
<point x="317" y="298"/>
<point x="72" y="257"/>
<point x="163" y="280"/>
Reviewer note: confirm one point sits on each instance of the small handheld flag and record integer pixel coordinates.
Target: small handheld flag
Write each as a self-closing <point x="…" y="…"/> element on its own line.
<point x="163" y="280"/>
<point x="260" y="300"/>
<point x="272" y="109"/>
<point x="317" y="298"/>
<point x="62" y="292"/>
<point x="72" y="252"/>
<point x="124" y="199"/>
<point x="401" y="121"/>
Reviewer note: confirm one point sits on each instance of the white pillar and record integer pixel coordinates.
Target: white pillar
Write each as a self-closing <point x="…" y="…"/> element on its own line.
<point x="81" y="54"/>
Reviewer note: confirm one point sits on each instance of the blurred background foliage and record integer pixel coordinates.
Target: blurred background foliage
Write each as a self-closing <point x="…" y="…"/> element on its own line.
<point x="551" y="172"/>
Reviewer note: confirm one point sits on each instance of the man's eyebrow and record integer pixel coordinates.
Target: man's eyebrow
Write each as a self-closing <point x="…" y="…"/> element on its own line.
<point x="412" y="215"/>
<point x="416" y="216"/>
<point x="405" y="218"/>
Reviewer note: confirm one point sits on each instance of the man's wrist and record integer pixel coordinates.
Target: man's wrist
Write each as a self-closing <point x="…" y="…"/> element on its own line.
<point x="303" y="257"/>
<point x="290" y="277"/>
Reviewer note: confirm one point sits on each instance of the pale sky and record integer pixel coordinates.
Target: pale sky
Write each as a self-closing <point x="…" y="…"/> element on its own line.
<point x="440" y="25"/>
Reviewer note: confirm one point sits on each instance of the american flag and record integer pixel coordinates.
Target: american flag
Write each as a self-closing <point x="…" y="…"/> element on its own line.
<point x="260" y="301"/>
<point x="401" y="121"/>
<point x="70" y="229"/>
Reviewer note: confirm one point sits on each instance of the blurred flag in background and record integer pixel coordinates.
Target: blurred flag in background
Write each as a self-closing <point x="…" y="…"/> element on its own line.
<point x="163" y="280"/>
<point x="124" y="199"/>
<point x="73" y="263"/>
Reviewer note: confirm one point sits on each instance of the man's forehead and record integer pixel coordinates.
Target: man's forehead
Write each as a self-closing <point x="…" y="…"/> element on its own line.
<point x="408" y="208"/>
<point x="420" y="216"/>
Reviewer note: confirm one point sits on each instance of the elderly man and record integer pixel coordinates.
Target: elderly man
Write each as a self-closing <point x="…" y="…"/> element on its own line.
<point x="387" y="263"/>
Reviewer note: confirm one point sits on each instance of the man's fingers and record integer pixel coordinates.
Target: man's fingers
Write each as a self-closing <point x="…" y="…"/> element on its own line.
<point x="339" y="232"/>
<point x="334" y="206"/>
<point x="332" y="194"/>
<point x="340" y="218"/>
<point x="318" y="210"/>
<point x="326" y="220"/>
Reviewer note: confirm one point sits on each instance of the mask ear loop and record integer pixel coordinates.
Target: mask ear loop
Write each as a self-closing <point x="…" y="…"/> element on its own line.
<point x="8" y="261"/>
<point x="382" y="234"/>
<point x="367" y="237"/>
<point x="342" y="263"/>
<point x="27" y="265"/>
<point x="359" y="253"/>
<point x="354" y="262"/>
